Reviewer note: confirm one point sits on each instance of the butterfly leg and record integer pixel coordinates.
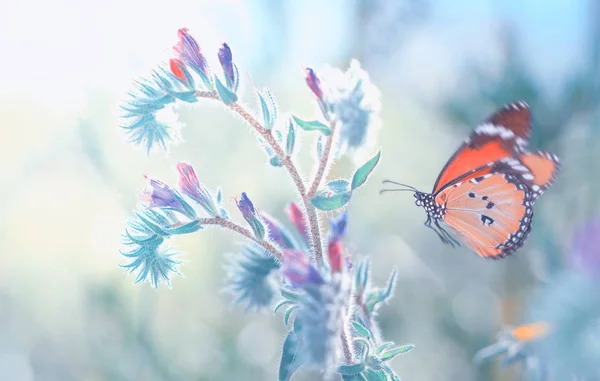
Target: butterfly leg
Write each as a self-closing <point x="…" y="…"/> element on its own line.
<point x="440" y="235"/>
<point x="447" y="235"/>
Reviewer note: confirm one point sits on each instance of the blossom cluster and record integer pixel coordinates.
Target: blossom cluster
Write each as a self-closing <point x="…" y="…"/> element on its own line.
<point x="328" y="302"/>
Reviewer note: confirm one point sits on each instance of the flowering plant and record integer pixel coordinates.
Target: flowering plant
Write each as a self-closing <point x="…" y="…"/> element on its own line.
<point x="329" y="302"/>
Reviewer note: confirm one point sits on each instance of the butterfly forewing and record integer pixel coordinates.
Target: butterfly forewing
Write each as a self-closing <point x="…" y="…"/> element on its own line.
<point x="502" y="135"/>
<point x="543" y="168"/>
<point x="491" y="213"/>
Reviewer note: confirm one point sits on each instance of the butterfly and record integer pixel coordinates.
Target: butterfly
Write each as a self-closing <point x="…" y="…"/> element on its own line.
<point x="486" y="191"/>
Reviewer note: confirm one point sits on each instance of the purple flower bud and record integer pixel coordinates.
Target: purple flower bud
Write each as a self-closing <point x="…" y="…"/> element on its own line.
<point x="188" y="51"/>
<point x="245" y="206"/>
<point x="314" y="83"/>
<point x="158" y="194"/>
<point x="276" y="233"/>
<point x="226" y="60"/>
<point x="249" y="213"/>
<point x="190" y="186"/>
<point x="296" y="269"/>
<point x="585" y="248"/>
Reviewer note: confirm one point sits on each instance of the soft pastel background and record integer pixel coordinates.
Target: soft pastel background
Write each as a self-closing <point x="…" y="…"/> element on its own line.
<point x="69" y="179"/>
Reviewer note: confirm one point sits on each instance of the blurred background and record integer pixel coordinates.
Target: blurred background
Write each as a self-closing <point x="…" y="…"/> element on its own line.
<point x="69" y="179"/>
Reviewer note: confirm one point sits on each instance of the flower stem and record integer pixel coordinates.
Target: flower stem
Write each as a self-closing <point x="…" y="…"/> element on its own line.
<point x="243" y="231"/>
<point x="323" y="162"/>
<point x="313" y="221"/>
<point x="346" y="345"/>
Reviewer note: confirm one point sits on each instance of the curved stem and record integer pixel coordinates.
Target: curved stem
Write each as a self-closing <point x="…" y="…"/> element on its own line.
<point x="313" y="221"/>
<point x="323" y="161"/>
<point x="243" y="231"/>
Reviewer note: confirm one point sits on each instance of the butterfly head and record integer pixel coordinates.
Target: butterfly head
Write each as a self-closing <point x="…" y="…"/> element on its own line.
<point x="427" y="202"/>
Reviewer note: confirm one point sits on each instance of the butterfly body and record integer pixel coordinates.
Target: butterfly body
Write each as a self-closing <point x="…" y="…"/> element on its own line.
<point x="486" y="191"/>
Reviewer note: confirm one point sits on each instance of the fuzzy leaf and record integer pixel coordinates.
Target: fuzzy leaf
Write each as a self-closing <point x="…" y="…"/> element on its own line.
<point x="383" y="347"/>
<point x="288" y="314"/>
<point x="362" y="174"/>
<point x="281" y="304"/>
<point x="268" y="107"/>
<point x="391" y="353"/>
<point x="312" y="126"/>
<point x="361" y="329"/>
<point x="291" y="139"/>
<point x="351" y="370"/>
<point x="375" y="375"/>
<point x="290" y="357"/>
<point x="354" y="377"/>
<point x="185" y="229"/>
<point x="336" y="194"/>
<point x="227" y="96"/>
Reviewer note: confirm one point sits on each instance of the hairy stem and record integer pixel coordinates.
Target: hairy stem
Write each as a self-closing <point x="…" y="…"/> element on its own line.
<point x="243" y="231"/>
<point x="346" y="345"/>
<point x="323" y="162"/>
<point x="313" y="221"/>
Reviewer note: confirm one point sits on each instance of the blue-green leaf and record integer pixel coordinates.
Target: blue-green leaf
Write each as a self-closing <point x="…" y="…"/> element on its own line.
<point x="288" y="314"/>
<point x="312" y="126"/>
<point x="185" y="229"/>
<point x="281" y="304"/>
<point x="291" y="139"/>
<point x="362" y="173"/>
<point x="290" y="357"/>
<point x="375" y="375"/>
<point x="336" y="194"/>
<point x="227" y="96"/>
<point x="145" y="218"/>
<point x="383" y="347"/>
<point x="268" y="108"/>
<point x="361" y="329"/>
<point x="351" y="370"/>
<point x="275" y="162"/>
<point x="391" y="353"/>
<point x="354" y="377"/>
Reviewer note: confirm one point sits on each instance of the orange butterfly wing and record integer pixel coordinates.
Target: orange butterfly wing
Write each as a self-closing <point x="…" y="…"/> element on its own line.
<point x="502" y="135"/>
<point x="491" y="213"/>
<point x="543" y="168"/>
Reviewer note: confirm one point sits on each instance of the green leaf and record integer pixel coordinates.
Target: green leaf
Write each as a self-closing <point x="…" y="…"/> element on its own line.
<point x="275" y="162"/>
<point x="312" y="126"/>
<point x="383" y="347"/>
<point x="291" y="139"/>
<point x="268" y="108"/>
<point x="145" y="218"/>
<point x="336" y="194"/>
<point x="288" y="313"/>
<point x="361" y="329"/>
<point x="391" y="353"/>
<point x="354" y="377"/>
<point x="290" y="357"/>
<point x="227" y="96"/>
<point x="375" y="375"/>
<point x="351" y="370"/>
<point x="185" y="229"/>
<point x="281" y="304"/>
<point x="362" y="174"/>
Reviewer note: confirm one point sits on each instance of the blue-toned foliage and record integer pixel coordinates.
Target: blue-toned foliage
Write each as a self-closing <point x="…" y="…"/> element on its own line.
<point x="150" y="257"/>
<point x="149" y="95"/>
<point x="250" y="277"/>
<point x="331" y="321"/>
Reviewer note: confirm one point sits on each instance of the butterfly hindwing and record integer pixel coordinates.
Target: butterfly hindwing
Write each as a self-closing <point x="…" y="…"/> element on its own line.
<point x="492" y="213"/>
<point x="504" y="134"/>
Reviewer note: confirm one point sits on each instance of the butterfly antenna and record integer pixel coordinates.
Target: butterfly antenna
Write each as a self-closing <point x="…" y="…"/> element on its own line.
<point x="400" y="184"/>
